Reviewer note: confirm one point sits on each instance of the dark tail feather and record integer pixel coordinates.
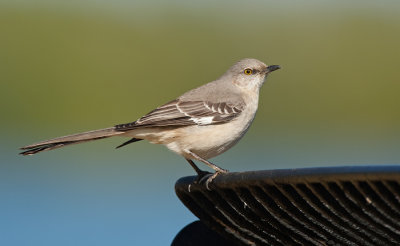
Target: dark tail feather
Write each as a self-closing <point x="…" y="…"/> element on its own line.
<point x="128" y="142"/>
<point x="34" y="150"/>
<point x="68" y="140"/>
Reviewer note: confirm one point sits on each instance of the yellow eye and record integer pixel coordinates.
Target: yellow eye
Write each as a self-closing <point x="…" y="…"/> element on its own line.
<point x="248" y="71"/>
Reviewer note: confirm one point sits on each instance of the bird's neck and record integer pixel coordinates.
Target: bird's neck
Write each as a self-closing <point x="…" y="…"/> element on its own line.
<point x="251" y="96"/>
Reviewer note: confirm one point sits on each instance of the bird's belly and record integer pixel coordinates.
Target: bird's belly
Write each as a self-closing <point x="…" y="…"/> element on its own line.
<point x="209" y="141"/>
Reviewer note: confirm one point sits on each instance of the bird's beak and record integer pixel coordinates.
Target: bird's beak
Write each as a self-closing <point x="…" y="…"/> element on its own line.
<point x="272" y="68"/>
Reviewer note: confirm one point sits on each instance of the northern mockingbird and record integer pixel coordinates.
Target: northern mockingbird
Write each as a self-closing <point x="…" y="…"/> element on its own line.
<point x="200" y="124"/>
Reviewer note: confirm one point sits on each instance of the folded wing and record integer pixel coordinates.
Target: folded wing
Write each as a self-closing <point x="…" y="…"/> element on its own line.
<point x="185" y="113"/>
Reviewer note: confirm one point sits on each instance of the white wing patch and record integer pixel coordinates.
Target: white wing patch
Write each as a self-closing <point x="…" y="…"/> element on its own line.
<point x="203" y="120"/>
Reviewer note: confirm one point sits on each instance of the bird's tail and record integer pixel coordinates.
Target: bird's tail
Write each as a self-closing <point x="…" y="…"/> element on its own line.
<point x="70" y="139"/>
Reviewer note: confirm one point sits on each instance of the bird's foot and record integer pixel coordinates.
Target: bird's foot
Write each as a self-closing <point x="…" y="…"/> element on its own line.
<point x="210" y="179"/>
<point x="201" y="175"/>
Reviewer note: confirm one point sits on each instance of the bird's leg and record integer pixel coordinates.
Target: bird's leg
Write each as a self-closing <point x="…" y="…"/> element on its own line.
<point x="213" y="166"/>
<point x="217" y="169"/>
<point x="200" y="173"/>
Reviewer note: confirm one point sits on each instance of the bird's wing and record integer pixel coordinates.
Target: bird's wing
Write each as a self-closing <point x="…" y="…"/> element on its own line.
<point x="185" y="113"/>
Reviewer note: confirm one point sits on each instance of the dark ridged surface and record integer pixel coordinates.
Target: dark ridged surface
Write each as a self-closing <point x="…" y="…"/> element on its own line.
<point x="312" y="206"/>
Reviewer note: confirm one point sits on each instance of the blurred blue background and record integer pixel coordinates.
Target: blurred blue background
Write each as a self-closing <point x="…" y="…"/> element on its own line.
<point x="70" y="66"/>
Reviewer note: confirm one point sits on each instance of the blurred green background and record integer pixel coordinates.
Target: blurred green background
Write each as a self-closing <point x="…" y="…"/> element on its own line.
<point x="70" y="66"/>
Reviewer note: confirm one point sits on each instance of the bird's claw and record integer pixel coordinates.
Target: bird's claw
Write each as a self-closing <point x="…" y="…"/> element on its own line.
<point x="210" y="179"/>
<point x="201" y="175"/>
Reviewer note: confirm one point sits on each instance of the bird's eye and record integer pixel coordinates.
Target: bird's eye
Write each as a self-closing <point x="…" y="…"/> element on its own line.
<point x="248" y="71"/>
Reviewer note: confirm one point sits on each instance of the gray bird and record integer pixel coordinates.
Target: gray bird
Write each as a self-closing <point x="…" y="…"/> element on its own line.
<point x="200" y="124"/>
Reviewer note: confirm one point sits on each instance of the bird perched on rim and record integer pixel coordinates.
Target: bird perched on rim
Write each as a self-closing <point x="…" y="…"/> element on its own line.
<point x="200" y="124"/>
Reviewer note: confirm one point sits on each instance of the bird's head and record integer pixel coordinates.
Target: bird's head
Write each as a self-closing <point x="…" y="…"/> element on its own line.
<point x="250" y="73"/>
